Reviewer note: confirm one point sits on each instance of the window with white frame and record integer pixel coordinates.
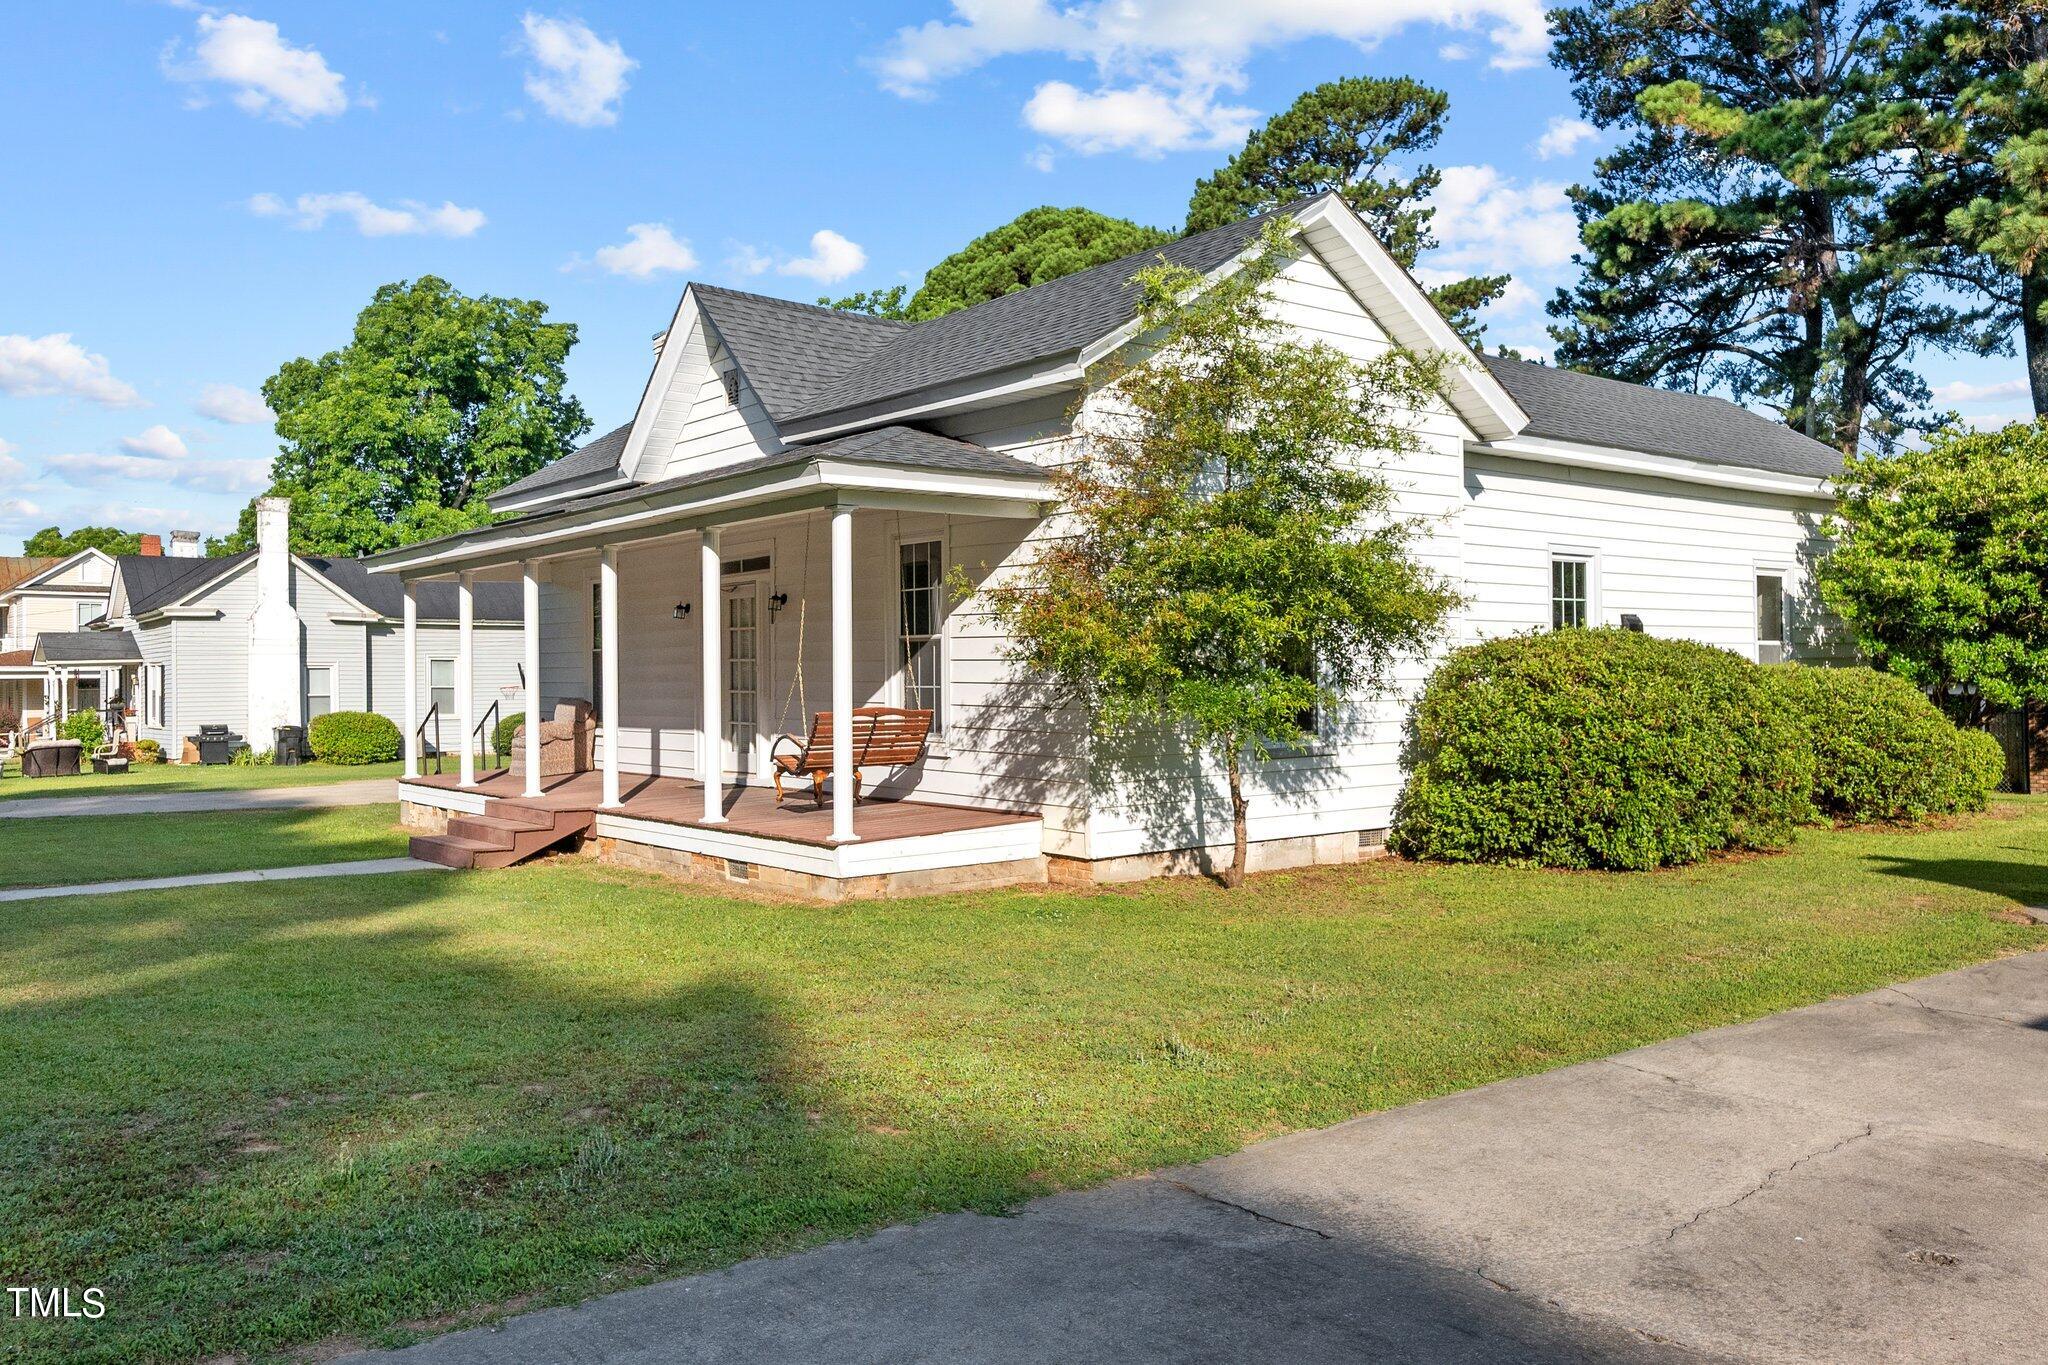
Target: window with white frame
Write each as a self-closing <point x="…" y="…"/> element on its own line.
<point x="920" y="617"/>
<point x="319" y="690"/>
<point x="87" y="613"/>
<point x="154" y="679"/>
<point x="1770" y="618"/>
<point x="441" y="688"/>
<point x="597" y="648"/>
<point x="1571" y="592"/>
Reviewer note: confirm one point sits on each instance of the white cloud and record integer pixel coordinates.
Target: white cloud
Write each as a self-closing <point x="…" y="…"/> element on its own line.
<point x="1161" y="65"/>
<point x="1562" y="136"/>
<point x="408" y="218"/>
<point x="832" y="259"/>
<point x="1995" y="421"/>
<point x="650" y="249"/>
<point x="1454" y="52"/>
<point x="158" y="441"/>
<point x="1488" y="224"/>
<point x="235" y="406"/>
<point x="1144" y="119"/>
<point x="576" y="76"/>
<point x="268" y="77"/>
<point x="1041" y="159"/>
<point x="11" y="469"/>
<point x="748" y="260"/>
<point x="17" y="514"/>
<point x="214" y="476"/>
<point x="1962" y="391"/>
<point x="33" y="367"/>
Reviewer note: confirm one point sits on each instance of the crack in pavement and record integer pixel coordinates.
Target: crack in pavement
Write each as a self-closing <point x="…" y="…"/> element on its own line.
<point x="1770" y="1178"/>
<point x="1186" y="1188"/>
<point x="1948" y="1009"/>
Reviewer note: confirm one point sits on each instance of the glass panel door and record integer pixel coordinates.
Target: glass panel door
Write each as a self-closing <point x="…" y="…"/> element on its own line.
<point x="742" y="676"/>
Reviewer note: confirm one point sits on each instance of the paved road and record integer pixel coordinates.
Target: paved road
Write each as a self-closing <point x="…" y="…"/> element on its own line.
<point x="1860" y="1180"/>
<point x="362" y="867"/>
<point x="368" y="791"/>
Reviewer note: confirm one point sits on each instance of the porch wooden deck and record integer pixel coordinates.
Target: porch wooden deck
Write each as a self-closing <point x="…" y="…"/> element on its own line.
<point x="748" y="810"/>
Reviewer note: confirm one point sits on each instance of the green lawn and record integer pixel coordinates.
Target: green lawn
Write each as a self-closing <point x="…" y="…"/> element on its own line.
<point x="172" y="777"/>
<point x="103" y="848"/>
<point x="264" y="1116"/>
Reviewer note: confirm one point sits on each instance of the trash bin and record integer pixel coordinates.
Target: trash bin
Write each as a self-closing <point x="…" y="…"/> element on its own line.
<point x="290" y="748"/>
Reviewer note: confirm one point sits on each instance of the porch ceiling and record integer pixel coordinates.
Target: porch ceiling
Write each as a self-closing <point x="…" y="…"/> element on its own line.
<point x="896" y="468"/>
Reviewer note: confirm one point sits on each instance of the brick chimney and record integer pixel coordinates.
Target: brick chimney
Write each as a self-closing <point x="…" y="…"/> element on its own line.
<point x="184" y="545"/>
<point x="152" y="546"/>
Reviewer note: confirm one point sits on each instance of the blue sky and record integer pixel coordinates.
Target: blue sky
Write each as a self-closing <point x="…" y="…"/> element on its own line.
<point x="191" y="195"/>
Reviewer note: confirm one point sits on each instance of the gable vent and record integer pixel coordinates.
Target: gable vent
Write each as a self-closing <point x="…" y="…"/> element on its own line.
<point x="731" y="379"/>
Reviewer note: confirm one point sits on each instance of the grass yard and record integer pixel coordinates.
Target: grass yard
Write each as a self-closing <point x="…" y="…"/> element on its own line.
<point x="172" y="777"/>
<point x="103" y="848"/>
<point x="361" y="1110"/>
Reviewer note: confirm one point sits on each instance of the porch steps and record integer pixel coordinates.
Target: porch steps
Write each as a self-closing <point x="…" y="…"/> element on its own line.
<point x="506" y="833"/>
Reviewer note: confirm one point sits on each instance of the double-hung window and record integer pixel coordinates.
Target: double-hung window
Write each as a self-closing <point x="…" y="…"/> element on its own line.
<point x="153" y="682"/>
<point x="1571" y="592"/>
<point x="1770" y="618"/>
<point x="319" y="690"/>
<point x="597" y="648"/>
<point x="441" y="688"/>
<point x="921" y="627"/>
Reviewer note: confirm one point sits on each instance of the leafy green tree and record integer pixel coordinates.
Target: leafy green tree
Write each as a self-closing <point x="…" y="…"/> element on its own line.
<point x="1354" y="136"/>
<point x="1940" y="565"/>
<point x="110" y="539"/>
<point x="438" y="399"/>
<point x="1744" y="236"/>
<point x="1230" y="568"/>
<point x="1980" y="76"/>
<point x="876" y="303"/>
<point x="1038" y="245"/>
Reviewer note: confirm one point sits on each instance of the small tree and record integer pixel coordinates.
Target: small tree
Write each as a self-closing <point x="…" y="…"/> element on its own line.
<point x="1229" y="567"/>
<point x="1941" y="563"/>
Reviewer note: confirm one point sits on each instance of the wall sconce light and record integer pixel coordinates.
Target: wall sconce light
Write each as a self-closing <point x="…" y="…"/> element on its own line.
<point x="777" y="601"/>
<point x="682" y="611"/>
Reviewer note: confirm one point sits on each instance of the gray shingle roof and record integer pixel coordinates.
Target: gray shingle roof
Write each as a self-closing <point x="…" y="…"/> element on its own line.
<point x="1568" y="406"/>
<point x="600" y="456"/>
<point x="87" y="647"/>
<point x="792" y="352"/>
<point x="158" y="581"/>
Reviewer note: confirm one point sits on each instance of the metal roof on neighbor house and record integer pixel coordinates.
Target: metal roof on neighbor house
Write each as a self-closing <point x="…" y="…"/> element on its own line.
<point x="18" y="568"/>
<point x="1568" y="406"/>
<point x="87" y="647"/>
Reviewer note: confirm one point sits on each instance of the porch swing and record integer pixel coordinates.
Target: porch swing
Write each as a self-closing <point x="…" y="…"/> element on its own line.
<point x="883" y="736"/>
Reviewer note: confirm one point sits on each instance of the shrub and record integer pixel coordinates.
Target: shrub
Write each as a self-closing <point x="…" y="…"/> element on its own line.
<point x="85" y="727"/>
<point x="501" y="738"/>
<point x="148" y="751"/>
<point x="1882" y="750"/>
<point x="246" y="756"/>
<point x="352" y="737"/>
<point x="1601" y="749"/>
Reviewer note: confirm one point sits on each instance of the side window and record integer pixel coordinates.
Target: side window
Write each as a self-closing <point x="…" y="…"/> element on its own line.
<point x="597" y="648"/>
<point x="1570" y="593"/>
<point x="87" y="612"/>
<point x="1770" y="619"/>
<point x="441" y="687"/>
<point x="921" y="628"/>
<point x="319" y="690"/>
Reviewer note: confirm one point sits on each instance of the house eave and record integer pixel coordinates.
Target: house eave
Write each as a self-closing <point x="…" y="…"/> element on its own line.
<point x="1620" y="460"/>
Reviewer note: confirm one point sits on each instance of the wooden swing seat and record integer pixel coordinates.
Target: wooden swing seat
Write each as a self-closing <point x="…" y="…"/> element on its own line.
<point x="883" y="736"/>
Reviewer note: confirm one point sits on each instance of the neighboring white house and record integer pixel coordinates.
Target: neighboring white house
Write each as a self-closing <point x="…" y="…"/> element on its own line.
<point x="61" y="598"/>
<point x="268" y="638"/>
<point x="816" y="473"/>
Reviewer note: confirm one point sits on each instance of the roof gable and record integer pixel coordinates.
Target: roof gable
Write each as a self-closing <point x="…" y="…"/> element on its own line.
<point x="54" y="571"/>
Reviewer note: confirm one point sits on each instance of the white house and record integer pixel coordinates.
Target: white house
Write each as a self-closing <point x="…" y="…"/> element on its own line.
<point x="268" y="638"/>
<point x="768" y="536"/>
<point x="59" y="598"/>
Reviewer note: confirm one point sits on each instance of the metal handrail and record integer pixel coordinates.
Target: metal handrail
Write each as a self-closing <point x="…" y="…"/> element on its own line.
<point x="419" y="736"/>
<point x="486" y="735"/>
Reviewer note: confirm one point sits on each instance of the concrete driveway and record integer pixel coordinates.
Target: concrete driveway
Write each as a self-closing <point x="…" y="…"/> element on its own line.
<point x="1864" y="1180"/>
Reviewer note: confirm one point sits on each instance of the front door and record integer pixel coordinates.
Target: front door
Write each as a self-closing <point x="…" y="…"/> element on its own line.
<point x="743" y="669"/>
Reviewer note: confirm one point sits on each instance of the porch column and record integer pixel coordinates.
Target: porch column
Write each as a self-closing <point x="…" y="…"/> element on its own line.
<point x="529" y="618"/>
<point x="465" y="671"/>
<point x="844" y="787"/>
<point x="710" y="737"/>
<point x="411" y="638"/>
<point x="608" y="632"/>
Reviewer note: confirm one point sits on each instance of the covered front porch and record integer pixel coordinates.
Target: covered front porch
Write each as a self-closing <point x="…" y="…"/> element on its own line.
<point x="704" y="616"/>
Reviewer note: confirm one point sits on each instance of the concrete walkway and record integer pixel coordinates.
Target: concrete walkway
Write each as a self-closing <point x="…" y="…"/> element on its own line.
<point x="367" y="791"/>
<point x="366" y="867"/>
<point x="1859" y="1180"/>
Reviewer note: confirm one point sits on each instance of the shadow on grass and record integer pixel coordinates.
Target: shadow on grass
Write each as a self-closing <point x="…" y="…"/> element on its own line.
<point x="2024" y="882"/>
<point x="99" y="848"/>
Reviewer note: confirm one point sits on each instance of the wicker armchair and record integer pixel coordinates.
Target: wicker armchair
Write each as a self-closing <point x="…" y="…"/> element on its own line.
<point x="566" y="742"/>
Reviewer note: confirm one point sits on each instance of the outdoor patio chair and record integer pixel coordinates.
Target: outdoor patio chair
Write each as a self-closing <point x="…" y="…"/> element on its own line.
<point x="566" y="741"/>
<point x="883" y="737"/>
<point x="51" y="758"/>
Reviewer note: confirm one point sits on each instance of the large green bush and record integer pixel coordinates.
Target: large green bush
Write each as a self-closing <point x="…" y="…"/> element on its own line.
<point x="1600" y="749"/>
<point x="84" y="726"/>
<point x="1882" y="750"/>
<point x="352" y="737"/>
<point x="501" y="737"/>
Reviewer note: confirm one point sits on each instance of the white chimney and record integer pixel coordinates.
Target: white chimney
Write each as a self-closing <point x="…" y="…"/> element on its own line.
<point x="184" y="545"/>
<point x="273" y="628"/>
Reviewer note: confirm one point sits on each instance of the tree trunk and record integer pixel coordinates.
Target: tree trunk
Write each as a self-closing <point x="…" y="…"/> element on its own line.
<point x="1233" y="876"/>
<point x="2034" y="332"/>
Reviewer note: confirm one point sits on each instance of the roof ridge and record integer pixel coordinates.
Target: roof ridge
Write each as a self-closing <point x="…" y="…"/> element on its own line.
<point x="846" y="313"/>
